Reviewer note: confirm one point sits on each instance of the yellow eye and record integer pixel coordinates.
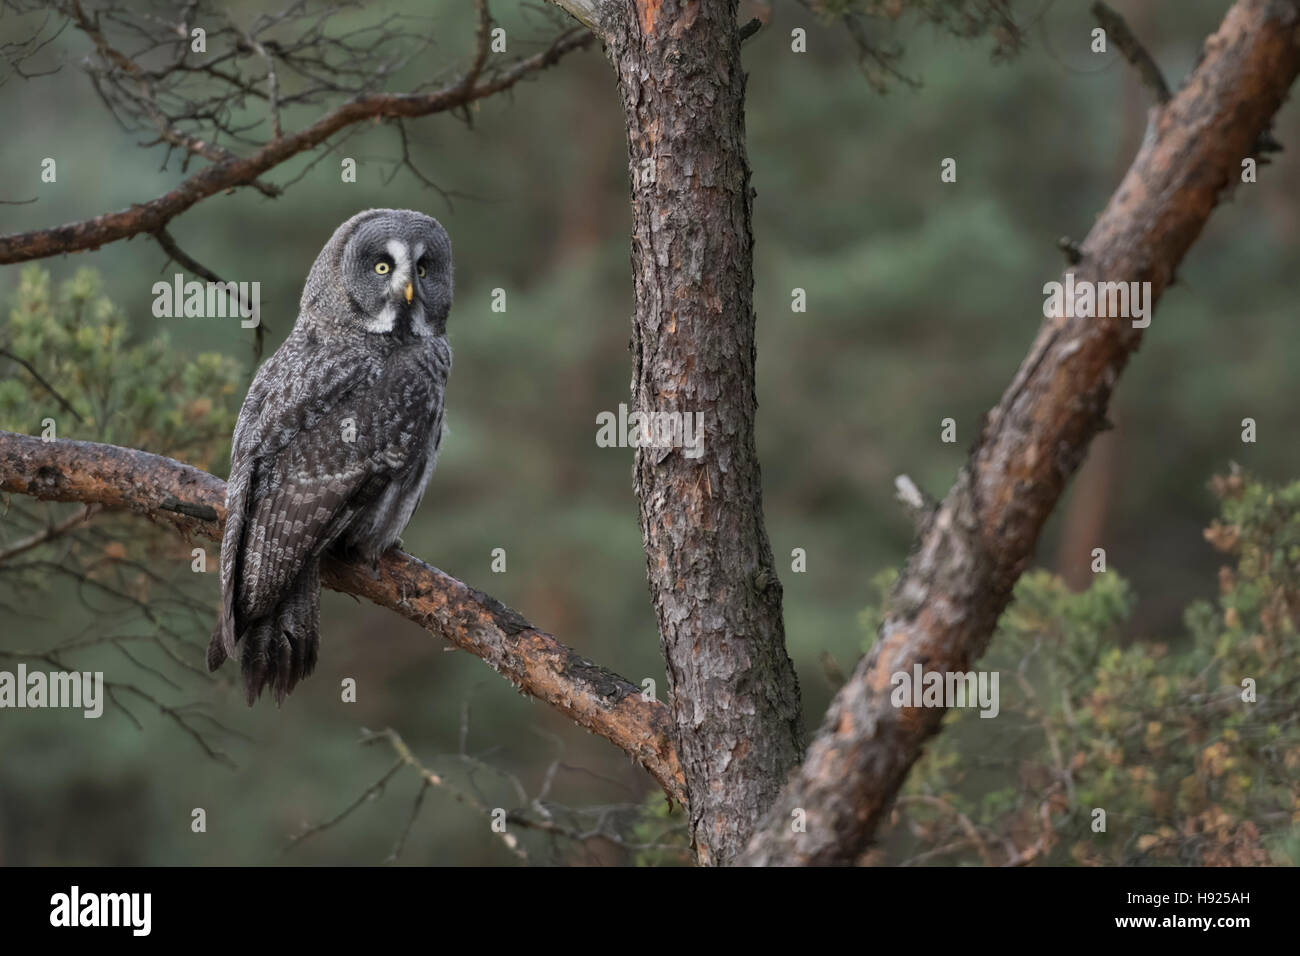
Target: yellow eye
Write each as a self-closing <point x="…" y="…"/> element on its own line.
<point x="382" y="268"/>
<point x="421" y="271"/>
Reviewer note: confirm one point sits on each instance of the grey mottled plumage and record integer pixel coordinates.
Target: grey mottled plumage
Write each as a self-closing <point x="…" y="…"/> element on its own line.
<point x="336" y="439"/>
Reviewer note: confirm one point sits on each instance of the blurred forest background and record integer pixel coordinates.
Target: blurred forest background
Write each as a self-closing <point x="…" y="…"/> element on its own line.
<point x="922" y="299"/>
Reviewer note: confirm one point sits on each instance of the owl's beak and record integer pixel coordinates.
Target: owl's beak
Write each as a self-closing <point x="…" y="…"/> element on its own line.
<point x="409" y="291"/>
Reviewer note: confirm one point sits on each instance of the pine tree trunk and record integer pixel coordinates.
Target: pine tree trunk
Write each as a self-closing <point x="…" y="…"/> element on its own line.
<point x="734" y="693"/>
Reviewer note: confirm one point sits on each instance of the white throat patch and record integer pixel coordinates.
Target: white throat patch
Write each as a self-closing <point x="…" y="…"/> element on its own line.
<point x="387" y="317"/>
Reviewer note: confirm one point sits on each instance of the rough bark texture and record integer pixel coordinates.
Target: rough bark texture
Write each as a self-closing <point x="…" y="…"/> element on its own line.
<point x="194" y="502"/>
<point x="972" y="549"/>
<point x="735" y="696"/>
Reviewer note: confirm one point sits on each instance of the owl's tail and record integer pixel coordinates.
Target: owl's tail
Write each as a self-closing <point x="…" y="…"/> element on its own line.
<point x="280" y="649"/>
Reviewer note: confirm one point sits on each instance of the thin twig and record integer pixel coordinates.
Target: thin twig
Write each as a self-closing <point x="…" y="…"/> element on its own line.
<point x="1118" y="30"/>
<point x="40" y="379"/>
<point x="48" y="534"/>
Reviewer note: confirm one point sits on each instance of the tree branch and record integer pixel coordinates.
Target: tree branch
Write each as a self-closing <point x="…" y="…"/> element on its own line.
<point x="586" y="12"/>
<point x="1131" y="47"/>
<point x="972" y="550"/>
<point x="232" y="171"/>
<point x="165" y="490"/>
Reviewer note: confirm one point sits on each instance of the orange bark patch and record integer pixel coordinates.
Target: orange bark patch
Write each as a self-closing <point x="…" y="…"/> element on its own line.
<point x="647" y="12"/>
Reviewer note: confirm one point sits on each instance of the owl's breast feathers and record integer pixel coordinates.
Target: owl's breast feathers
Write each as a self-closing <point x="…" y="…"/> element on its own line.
<point x="331" y="445"/>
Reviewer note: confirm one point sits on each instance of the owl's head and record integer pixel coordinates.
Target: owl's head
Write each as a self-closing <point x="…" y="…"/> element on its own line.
<point x="386" y="271"/>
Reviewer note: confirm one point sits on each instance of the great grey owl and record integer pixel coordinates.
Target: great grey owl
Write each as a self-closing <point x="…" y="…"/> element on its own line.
<point x="336" y="439"/>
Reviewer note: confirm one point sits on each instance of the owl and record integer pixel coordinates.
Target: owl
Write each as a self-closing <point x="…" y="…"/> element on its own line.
<point x="336" y="440"/>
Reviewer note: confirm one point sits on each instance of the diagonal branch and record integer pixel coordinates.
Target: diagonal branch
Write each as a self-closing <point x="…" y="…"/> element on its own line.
<point x="193" y="501"/>
<point x="975" y="545"/>
<point x="41" y="381"/>
<point x="150" y="217"/>
<point x="1131" y="47"/>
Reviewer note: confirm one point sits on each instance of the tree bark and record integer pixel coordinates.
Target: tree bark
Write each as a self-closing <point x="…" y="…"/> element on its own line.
<point x="973" y="548"/>
<point x="194" y="502"/>
<point x="734" y="693"/>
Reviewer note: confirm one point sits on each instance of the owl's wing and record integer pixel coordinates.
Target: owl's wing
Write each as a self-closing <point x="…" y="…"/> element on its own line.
<point x="297" y="481"/>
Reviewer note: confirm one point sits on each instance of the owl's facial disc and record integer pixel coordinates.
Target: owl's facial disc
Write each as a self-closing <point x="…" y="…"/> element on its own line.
<point x="396" y="274"/>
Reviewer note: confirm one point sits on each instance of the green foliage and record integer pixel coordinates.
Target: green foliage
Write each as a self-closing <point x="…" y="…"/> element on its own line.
<point x="873" y="615"/>
<point x="142" y="395"/>
<point x="1155" y="733"/>
<point x="114" y="582"/>
<point x="660" y="835"/>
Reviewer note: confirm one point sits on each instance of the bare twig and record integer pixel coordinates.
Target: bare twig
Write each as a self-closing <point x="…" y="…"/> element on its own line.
<point x="372" y="791"/>
<point x="80" y="516"/>
<point x="1133" y="50"/>
<point x="188" y="262"/>
<point x="229" y="171"/>
<point x="41" y="380"/>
